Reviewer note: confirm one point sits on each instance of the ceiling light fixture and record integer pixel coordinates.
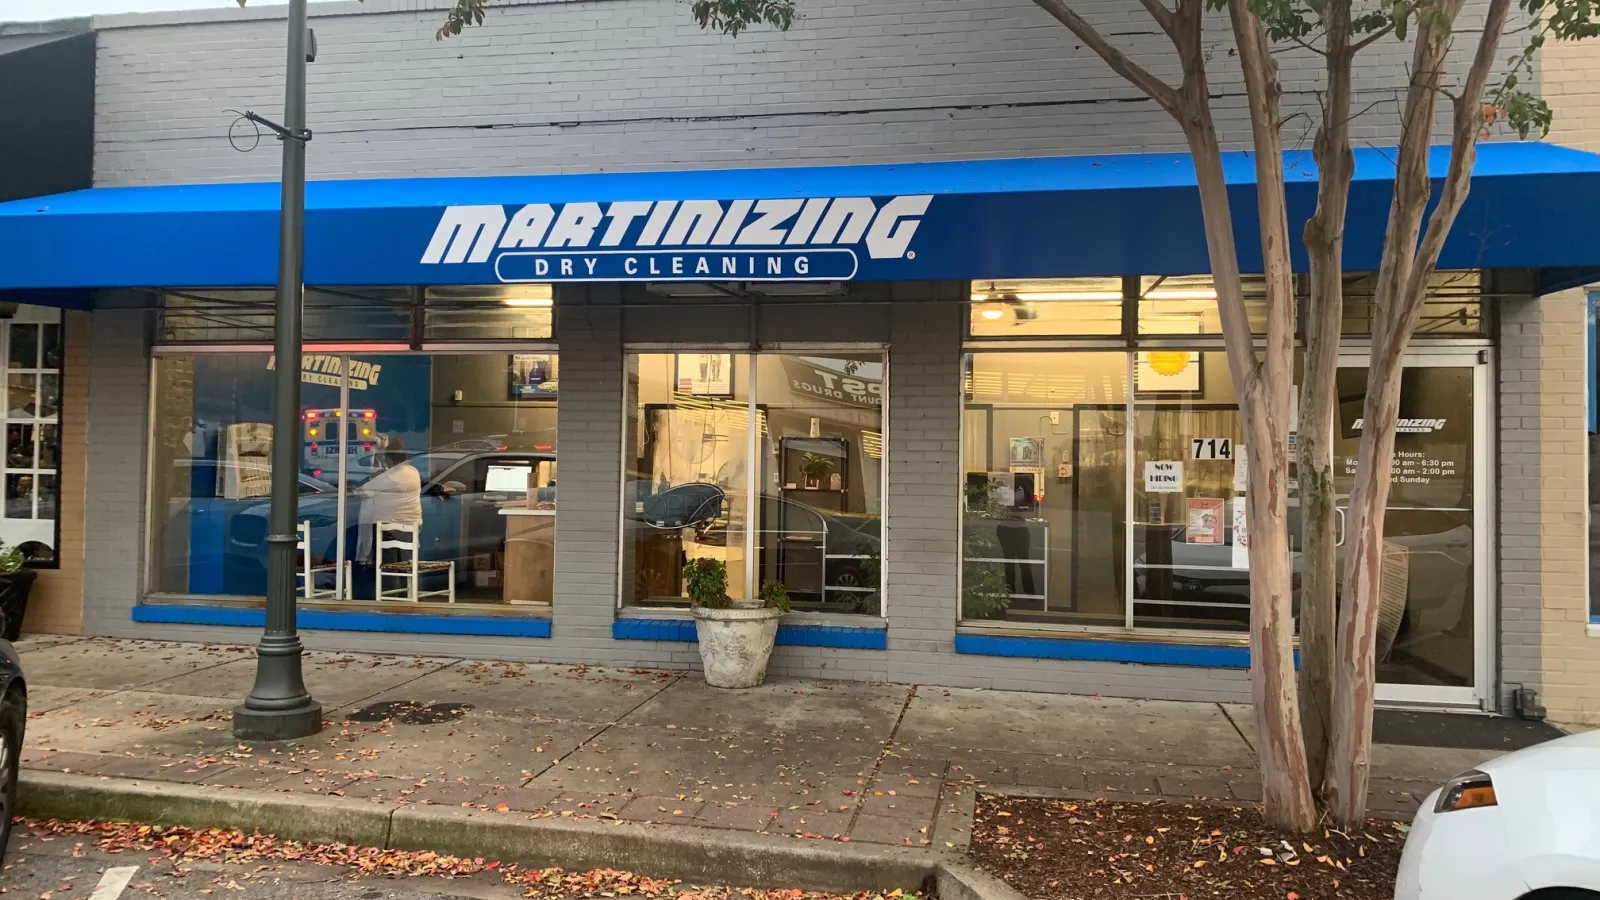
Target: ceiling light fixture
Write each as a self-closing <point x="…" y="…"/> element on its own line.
<point x="992" y="313"/>
<point x="529" y="301"/>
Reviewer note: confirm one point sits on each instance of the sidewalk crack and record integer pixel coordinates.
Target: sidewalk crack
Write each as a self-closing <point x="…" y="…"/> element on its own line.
<point x="1237" y="730"/>
<point x="676" y="677"/>
<point x="877" y="764"/>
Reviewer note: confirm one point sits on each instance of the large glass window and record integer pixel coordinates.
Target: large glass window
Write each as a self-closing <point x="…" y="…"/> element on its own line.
<point x="423" y="478"/>
<point x="32" y="348"/>
<point x="1053" y="473"/>
<point x="806" y="515"/>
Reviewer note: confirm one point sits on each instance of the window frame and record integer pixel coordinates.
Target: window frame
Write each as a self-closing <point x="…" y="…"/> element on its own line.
<point x="753" y="472"/>
<point x="39" y="423"/>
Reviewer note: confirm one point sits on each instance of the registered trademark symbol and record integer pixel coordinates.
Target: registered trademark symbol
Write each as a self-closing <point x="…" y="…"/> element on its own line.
<point x="911" y="254"/>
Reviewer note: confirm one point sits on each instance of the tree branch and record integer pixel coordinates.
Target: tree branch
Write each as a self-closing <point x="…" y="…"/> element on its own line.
<point x="1465" y="132"/>
<point x="1160" y="13"/>
<point x="1367" y="41"/>
<point x="1140" y="77"/>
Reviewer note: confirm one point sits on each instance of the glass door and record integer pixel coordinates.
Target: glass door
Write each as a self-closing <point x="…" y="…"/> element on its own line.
<point x="1433" y="622"/>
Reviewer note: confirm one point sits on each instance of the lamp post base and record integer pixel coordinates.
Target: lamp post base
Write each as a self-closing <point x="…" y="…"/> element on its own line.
<point x="277" y="724"/>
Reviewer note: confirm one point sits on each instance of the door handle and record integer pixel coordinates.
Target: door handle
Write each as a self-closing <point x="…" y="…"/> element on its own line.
<point x="1338" y="526"/>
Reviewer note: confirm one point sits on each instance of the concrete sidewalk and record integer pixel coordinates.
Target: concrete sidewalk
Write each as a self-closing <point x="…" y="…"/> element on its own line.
<point x="877" y="763"/>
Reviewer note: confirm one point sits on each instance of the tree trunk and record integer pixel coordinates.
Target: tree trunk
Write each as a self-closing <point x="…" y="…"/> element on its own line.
<point x="1286" y="787"/>
<point x="1402" y="286"/>
<point x="1324" y="240"/>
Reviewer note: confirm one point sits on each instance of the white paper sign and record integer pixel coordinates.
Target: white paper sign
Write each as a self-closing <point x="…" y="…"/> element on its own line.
<point x="1211" y="448"/>
<point x="1163" y="476"/>
<point x="1241" y="535"/>
<point x="1241" y="470"/>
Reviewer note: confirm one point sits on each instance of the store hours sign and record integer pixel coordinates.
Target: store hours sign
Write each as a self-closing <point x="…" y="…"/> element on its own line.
<point x="775" y="239"/>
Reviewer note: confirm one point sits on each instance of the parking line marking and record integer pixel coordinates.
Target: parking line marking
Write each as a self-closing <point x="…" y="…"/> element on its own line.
<point x="113" y="883"/>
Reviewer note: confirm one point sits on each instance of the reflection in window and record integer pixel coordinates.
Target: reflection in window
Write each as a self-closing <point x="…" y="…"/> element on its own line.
<point x="1454" y="305"/>
<point x="494" y="312"/>
<point x="32" y="434"/>
<point x="436" y="484"/>
<point x="819" y="444"/>
<point x="1047" y="481"/>
<point x="1187" y="304"/>
<point x="1036" y="307"/>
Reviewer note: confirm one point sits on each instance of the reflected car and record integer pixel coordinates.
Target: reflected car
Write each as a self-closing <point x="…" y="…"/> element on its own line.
<point x="217" y="545"/>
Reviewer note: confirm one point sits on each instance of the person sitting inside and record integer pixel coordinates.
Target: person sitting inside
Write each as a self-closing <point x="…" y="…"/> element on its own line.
<point x="392" y="496"/>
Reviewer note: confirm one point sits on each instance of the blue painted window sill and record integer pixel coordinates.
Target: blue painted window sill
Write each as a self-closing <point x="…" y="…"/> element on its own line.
<point x="354" y="620"/>
<point x="644" y="628"/>
<point x="1155" y="653"/>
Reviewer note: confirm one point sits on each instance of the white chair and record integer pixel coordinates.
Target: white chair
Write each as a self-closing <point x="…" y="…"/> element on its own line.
<point x="308" y="570"/>
<point x="412" y="568"/>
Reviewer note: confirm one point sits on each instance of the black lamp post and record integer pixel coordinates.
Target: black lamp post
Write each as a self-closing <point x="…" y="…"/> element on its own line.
<point x="278" y="706"/>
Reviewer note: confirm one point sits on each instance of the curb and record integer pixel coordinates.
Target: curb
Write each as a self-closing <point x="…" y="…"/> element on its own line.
<point x="695" y="854"/>
<point x="300" y="817"/>
<point x="955" y="881"/>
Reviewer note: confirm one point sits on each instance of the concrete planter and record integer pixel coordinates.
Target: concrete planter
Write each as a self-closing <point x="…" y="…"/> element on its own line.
<point x="736" y="643"/>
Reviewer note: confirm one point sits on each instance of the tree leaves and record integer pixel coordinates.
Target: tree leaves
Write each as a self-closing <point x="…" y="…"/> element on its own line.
<point x="733" y="16"/>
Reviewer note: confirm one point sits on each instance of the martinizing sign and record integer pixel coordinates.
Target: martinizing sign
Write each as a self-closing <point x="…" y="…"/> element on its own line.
<point x="816" y="239"/>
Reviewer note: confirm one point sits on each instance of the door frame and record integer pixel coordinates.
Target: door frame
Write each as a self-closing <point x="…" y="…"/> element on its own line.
<point x="1481" y="693"/>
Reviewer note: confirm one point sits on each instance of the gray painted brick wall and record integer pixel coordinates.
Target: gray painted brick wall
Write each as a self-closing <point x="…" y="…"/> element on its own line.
<point x="635" y="84"/>
<point x="1519" y="515"/>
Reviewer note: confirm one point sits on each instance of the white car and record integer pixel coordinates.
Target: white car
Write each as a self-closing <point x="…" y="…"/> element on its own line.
<point x="1525" y="826"/>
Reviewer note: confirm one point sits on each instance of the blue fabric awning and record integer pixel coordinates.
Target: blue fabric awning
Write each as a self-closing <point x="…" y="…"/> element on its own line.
<point x="1532" y="205"/>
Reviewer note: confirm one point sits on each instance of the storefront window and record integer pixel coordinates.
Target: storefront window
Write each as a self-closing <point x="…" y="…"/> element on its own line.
<point x="202" y="315"/>
<point x="519" y="312"/>
<point x="1187" y="305"/>
<point x="1055" y="307"/>
<point x="815" y="523"/>
<point x="454" y="455"/>
<point x="1052" y="475"/>
<point x="31" y="344"/>
<point x="1453" y="307"/>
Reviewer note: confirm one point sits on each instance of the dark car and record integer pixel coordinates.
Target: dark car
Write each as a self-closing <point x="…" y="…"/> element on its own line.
<point x="13" y="721"/>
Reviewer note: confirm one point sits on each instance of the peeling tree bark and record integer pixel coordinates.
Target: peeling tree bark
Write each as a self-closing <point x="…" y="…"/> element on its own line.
<point x="1403" y="276"/>
<point x="1286" y="786"/>
<point x="1262" y="385"/>
<point x="1324" y="240"/>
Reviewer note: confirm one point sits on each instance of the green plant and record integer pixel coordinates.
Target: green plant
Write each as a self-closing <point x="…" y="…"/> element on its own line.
<point x="707" y="583"/>
<point x="984" y="592"/>
<point x="816" y="466"/>
<point x="11" y="559"/>
<point x="775" y="595"/>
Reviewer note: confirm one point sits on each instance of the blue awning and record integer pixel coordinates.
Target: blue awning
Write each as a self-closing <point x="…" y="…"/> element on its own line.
<point x="1532" y="205"/>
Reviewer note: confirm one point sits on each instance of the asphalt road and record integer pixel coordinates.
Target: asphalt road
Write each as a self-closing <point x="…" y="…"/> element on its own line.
<point x="61" y="868"/>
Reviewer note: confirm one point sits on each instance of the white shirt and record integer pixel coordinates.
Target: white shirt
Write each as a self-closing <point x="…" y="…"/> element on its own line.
<point x="393" y="495"/>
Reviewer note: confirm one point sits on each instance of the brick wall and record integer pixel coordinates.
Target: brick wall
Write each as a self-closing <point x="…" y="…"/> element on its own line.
<point x="1569" y="80"/>
<point x="114" y="463"/>
<point x="635" y="84"/>
<point x="1543" y="544"/>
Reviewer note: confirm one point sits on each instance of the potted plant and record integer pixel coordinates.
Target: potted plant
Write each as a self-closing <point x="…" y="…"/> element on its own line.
<point x="815" y="467"/>
<point x="735" y="635"/>
<point x="16" y="581"/>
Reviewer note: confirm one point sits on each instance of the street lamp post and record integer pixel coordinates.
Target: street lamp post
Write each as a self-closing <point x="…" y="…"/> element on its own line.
<point x="278" y="706"/>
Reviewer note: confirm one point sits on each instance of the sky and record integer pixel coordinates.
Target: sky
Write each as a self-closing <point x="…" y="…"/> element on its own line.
<point x="38" y="10"/>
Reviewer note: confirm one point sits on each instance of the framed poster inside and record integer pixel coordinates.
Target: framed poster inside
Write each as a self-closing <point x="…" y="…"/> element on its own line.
<point x="704" y="374"/>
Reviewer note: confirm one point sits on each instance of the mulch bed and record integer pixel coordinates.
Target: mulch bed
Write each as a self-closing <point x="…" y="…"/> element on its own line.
<point x="1071" y="849"/>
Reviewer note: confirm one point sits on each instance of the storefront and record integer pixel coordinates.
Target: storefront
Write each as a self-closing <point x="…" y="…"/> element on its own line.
<point x="975" y="450"/>
<point x="47" y="78"/>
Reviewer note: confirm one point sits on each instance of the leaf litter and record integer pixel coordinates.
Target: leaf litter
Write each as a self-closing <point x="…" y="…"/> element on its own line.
<point x="179" y="846"/>
<point x="1060" y="849"/>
